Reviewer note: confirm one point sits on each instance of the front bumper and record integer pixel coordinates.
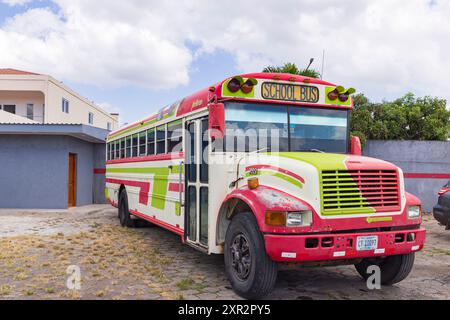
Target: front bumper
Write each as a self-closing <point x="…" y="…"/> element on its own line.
<point x="442" y="214"/>
<point x="301" y="248"/>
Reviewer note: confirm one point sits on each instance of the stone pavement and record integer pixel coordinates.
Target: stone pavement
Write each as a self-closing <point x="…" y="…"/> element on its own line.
<point x="36" y="247"/>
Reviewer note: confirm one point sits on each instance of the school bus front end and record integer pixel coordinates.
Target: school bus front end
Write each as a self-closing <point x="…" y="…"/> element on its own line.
<point x="325" y="207"/>
<point x="314" y="200"/>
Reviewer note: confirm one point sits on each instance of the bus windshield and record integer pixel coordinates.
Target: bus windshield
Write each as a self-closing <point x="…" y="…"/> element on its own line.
<point x="252" y="126"/>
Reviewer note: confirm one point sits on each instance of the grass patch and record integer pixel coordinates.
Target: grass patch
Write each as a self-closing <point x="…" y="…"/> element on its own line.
<point x="5" y="289"/>
<point x="185" y="284"/>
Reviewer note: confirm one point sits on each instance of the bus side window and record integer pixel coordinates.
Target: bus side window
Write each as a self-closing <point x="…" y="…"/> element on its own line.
<point x="108" y="151"/>
<point x="175" y="136"/>
<point x="142" y="143"/>
<point x="204" y="174"/>
<point x="128" y="147"/>
<point x="122" y="148"/>
<point x="117" y="149"/>
<point x="135" y="145"/>
<point x="161" y="139"/>
<point x="151" y="142"/>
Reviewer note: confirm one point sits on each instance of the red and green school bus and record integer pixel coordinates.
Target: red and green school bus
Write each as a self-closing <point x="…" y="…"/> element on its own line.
<point x="262" y="168"/>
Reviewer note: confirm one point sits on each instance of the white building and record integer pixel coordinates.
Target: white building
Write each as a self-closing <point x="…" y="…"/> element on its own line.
<point x="36" y="98"/>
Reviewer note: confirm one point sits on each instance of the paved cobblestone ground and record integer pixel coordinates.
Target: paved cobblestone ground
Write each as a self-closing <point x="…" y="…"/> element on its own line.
<point x="150" y="263"/>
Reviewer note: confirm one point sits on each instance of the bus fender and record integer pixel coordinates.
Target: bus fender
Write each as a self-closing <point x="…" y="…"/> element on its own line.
<point x="412" y="200"/>
<point x="258" y="201"/>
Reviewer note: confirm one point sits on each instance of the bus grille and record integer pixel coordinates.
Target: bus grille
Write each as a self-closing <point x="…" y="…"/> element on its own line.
<point x="360" y="191"/>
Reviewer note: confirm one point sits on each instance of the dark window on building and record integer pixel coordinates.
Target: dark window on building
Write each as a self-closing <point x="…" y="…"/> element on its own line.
<point x="151" y="142"/>
<point x="135" y="145"/>
<point x="30" y="111"/>
<point x="175" y="136"/>
<point x="142" y="143"/>
<point x="109" y="126"/>
<point x="161" y="139"/>
<point x="9" y="108"/>
<point x="91" y="118"/>
<point x="65" y="105"/>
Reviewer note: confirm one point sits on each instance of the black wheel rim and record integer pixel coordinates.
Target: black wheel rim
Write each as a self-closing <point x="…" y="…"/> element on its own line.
<point x="241" y="259"/>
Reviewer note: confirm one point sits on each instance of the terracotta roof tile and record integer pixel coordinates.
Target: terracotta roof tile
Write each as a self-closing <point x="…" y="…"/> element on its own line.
<point x="9" y="71"/>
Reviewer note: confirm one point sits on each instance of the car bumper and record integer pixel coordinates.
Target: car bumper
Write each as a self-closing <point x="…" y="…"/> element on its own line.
<point x="442" y="214"/>
<point x="293" y="248"/>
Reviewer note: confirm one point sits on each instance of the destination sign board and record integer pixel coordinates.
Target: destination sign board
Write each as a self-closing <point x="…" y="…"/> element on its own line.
<point x="290" y="92"/>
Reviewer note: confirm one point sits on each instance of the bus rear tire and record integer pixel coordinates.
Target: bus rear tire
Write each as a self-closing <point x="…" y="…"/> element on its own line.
<point x="394" y="269"/>
<point x="250" y="271"/>
<point x="124" y="213"/>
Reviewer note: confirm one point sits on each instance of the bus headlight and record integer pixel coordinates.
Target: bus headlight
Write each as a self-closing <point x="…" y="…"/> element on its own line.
<point x="414" y="212"/>
<point x="289" y="219"/>
<point x="299" y="219"/>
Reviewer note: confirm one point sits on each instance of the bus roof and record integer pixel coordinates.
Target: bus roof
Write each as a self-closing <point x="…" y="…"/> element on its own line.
<point x="278" y="88"/>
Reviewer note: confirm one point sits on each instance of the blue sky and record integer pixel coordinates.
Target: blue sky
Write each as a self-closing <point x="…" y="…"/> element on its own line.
<point x="135" y="102"/>
<point x="134" y="57"/>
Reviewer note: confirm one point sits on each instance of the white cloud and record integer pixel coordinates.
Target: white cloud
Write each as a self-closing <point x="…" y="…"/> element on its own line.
<point x="384" y="47"/>
<point x="109" y="107"/>
<point x="16" y="2"/>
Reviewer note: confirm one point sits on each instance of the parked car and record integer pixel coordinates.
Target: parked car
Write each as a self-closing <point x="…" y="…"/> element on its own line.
<point x="441" y="212"/>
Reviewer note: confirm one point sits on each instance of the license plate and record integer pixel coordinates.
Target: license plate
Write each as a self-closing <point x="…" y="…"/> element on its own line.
<point x="367" y="243"/>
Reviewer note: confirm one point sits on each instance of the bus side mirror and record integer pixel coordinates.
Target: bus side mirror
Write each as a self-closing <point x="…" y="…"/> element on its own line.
<point x="217" y="120"/>
<point x="355" y="147"/>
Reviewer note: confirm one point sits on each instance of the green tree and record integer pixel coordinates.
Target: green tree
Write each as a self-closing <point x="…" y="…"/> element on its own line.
<point x="406" y="118"/>
<point x="292" y="68"/>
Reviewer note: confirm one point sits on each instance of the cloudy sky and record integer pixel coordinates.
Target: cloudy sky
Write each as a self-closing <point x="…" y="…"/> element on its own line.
<point x="136" y="56"/>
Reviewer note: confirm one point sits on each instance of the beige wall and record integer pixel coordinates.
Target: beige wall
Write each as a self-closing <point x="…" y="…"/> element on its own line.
<point x="21" y="99"/>
<point x="53" y="93"/>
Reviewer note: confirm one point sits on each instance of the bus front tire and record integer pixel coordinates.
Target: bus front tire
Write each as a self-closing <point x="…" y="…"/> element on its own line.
<point x="394" y="269"/>
<point x="124" y="213"/>
<point x="249" y="269"/>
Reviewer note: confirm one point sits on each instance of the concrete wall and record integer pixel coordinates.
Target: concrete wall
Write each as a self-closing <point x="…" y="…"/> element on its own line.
<point x="426" y="158"/>
<point x="34" y="171"/>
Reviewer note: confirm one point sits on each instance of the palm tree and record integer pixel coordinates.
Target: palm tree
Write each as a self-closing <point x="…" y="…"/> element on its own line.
<point x="292" y="69"/>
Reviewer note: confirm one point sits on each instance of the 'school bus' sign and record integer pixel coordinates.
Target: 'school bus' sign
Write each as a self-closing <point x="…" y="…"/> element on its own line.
<point x="290" y="92"/>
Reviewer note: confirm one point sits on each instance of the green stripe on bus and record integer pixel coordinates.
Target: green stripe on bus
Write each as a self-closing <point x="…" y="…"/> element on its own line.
<point x="178" y="209"/>
<point x="280" y="176"/>
<point x="159" y="189"/>
<point x="380" y="219"/>
<point x="137" y="126"/>
<point x="333" y="162"/>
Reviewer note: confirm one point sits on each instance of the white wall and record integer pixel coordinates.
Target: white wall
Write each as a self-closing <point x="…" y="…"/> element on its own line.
<point x="21" y="99"/>
<point x="79" y="108"/>
<point x="53" y="93"/>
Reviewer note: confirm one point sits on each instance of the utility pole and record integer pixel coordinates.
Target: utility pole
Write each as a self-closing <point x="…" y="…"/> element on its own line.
<point x="323" y="64"/>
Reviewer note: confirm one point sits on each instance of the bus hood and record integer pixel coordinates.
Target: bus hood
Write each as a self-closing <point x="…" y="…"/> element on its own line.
<point x="333" y="184"/>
